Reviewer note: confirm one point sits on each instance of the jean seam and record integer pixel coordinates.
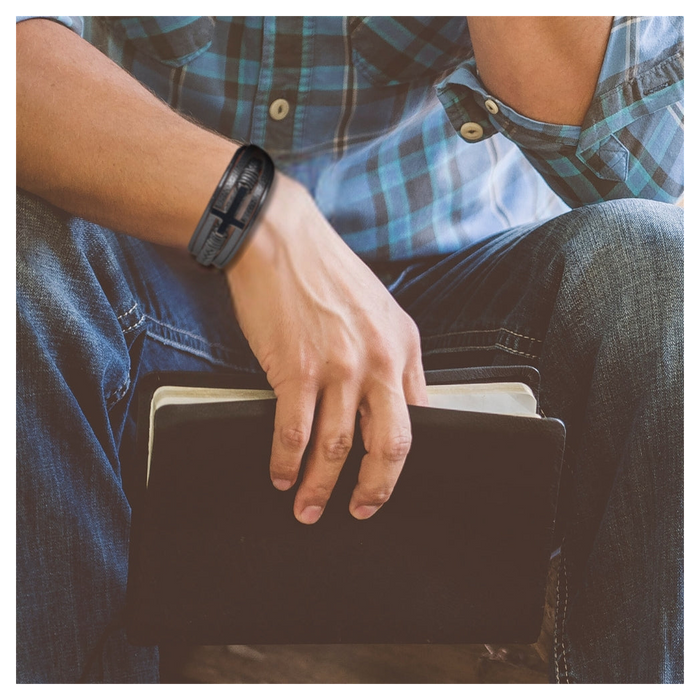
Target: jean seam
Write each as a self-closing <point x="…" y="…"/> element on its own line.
<point x="113" y="398"/>
<point x="502" y="338"/>
<point x="137" y="319"/>
<point x="559" y="641"/>
<point x="126" y="313"/>
<point x="205" y="352"/>
<point x="117" y="395"/>
<point x="485" y="330"/>
<point x="481" y="347"/>
<point x="145" y="317"/>
<point x="560" y="617"/>
<point x="134" y="326"/>
<point x="195" y="352"/>
<point x="200" y="338"/>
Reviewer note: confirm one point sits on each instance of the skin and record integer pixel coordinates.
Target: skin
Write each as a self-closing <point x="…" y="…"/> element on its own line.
<point x="564" y="56"/>
<point x="331" y="339"/>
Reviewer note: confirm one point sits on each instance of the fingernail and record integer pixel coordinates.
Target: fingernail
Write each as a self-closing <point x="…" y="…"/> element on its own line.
<point x="310" y="514"/>
<point x="364" y="512"/>
<point x="282" y="484"/>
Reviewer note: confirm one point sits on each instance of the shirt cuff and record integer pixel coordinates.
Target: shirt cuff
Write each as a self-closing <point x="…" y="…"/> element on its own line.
<point x="617" y="103"/>
<point x="73" y="23"/>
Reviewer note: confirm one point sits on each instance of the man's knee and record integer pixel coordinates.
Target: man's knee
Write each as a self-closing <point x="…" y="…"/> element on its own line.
<point x="627" y="244"/>
<point x="616" y="271"/>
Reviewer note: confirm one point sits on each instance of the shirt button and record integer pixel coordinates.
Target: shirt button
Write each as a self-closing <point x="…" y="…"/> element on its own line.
<point x="471" y="131"/>
<point x="279" y="109"/>
<point x="491" y="106"/>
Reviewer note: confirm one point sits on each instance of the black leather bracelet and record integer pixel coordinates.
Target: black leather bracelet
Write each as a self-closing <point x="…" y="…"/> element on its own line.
<point x="244" y="185"/>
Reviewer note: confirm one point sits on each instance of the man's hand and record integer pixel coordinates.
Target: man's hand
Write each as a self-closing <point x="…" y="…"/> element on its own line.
<point x="332" y="341"/>
<point x="330" y="337"/>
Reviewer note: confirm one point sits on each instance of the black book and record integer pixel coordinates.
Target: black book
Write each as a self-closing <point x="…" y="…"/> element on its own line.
<point x="459" y="554"/>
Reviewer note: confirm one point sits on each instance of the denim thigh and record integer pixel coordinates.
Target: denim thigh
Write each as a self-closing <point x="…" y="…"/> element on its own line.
<point x="95" y="310"/>
<point x="594" y="299"/>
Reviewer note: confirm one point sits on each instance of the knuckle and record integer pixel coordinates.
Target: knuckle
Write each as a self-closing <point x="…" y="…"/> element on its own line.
<point x="383" y="361"/>
<point x="284" y="471"/>
<point x="396" y="448"/>
<point x="381" y="496"/>
<point x="293" y="437"/>
<point x="307" y="372"/>
<point x="336" y="448"/>
<point x="345" y="371"/>
<point x="415" y="340"/>
<point x="317" y="493"/>
<point x="377" y="497"/>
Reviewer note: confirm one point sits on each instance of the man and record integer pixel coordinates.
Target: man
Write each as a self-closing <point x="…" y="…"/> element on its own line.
<point x="434" y="146"/>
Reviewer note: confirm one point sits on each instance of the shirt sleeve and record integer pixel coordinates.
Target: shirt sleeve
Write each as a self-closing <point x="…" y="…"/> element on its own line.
<point x="74" y="23"/>
<point x="630" y="143"/>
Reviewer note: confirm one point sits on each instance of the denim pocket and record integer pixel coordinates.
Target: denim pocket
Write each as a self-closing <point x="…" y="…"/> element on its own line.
<point x="173" y="41"/>
<point x="395" y="50"/>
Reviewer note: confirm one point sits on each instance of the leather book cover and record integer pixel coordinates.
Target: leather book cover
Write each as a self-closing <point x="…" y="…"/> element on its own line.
<point x="459" y="554"/>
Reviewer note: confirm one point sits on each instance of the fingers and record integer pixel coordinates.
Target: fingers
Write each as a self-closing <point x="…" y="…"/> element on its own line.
<point x="414" y="386"/>
<point x="386" y="431"/>
<point x="294" y="417"/>
<point x="331" y="443"/>
<point x="330" y="426"/>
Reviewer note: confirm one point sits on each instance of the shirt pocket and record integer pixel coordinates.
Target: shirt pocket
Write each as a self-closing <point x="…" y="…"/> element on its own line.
<point x="173" y="41"/>
<point x="395" y="50"/>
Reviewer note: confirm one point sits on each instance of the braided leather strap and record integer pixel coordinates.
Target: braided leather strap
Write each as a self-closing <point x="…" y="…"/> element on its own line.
<point x="221" y="230"/>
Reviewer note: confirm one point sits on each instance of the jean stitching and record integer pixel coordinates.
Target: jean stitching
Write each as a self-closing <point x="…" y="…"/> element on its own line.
<point x="189" y="333"/>
<point x="118" y="393"/>
<point x="126" y="313"/>
<point x="180" y="346"/>
<point x="200" y="353"/>
<point x="559" y="642"/>
<point x="566" y="608"/>
<point x="561" y="612"/>
<point x="556" y="626"/>
<point x="481" y="347"/>
<point x="136" y="325"/>
<point x="112" y="399"/>
<point x="146" y="317"/>
<point x="194" y="351"/>
<point x="492" y="330"/>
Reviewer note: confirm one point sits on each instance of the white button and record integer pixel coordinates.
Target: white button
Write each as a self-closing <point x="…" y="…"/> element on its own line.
<point x="471" y="131"/>
<point x="491" y="106"/>
<point x="279" y="109"/>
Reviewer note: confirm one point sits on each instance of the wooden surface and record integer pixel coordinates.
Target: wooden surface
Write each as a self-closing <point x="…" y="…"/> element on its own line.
<point x="368" y="663"/>
<point x="354" y="663"/>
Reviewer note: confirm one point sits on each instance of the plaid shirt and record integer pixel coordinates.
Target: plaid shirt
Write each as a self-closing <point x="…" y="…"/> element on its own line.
<point x="386" y="122"/>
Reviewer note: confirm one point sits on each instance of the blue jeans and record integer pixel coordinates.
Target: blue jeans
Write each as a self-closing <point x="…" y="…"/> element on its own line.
<point x="592" y="298"/>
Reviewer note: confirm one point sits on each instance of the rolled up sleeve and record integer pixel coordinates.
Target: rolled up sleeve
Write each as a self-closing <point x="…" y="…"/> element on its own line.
<point x="630" y="143"/>
<point x="73" y="23"/>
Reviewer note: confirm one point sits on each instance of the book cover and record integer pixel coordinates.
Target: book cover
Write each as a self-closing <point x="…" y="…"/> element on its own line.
<point x="459" y="553"/>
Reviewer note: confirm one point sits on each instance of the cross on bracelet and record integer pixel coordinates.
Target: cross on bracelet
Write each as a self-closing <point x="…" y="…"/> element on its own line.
<point x="229" y="218"/>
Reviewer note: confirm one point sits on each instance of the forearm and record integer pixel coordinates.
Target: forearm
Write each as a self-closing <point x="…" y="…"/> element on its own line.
<point x="95" y="142"/>
<point x="329" y="336"/>
<point x="546" y="68"/>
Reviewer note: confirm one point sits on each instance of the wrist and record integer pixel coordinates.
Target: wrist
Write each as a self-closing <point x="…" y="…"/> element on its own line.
<point x="234" y="207"/>
<point x="281" y="218"/>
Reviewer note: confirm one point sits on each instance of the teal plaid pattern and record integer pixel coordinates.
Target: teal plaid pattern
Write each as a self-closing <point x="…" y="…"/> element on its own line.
<point x="376" y="108"/>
